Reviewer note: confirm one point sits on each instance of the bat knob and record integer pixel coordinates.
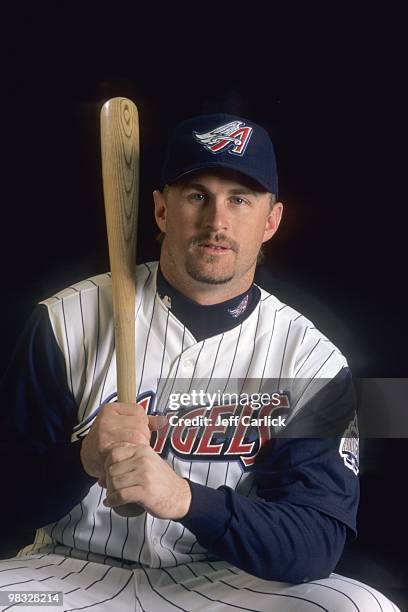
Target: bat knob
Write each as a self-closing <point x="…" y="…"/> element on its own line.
<point x="129" y="510"/>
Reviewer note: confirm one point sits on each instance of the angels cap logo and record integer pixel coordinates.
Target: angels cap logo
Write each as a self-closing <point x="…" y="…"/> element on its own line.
<point x="233" y="136"/>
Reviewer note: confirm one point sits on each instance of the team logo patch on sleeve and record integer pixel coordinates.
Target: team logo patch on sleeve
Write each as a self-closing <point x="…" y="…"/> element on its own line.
<point x="349" y="447"/>
<point x="233" y="136"/>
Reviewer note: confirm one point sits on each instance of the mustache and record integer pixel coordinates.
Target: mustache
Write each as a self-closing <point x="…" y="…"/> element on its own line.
<point x="219" y="239"/>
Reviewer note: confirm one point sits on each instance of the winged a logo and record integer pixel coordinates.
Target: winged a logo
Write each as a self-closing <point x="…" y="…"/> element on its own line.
<point x="233" y="136"/>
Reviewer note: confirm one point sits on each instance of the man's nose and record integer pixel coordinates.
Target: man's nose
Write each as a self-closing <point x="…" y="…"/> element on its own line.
<point x="216" y="215"/>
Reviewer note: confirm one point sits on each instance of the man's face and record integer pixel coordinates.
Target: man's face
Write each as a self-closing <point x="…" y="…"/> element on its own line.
<point x="214" y="223"/>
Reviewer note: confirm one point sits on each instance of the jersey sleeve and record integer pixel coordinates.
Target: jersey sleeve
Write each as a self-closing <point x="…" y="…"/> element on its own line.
<point x="307" y="499"/>
<point x="43" y="475"/>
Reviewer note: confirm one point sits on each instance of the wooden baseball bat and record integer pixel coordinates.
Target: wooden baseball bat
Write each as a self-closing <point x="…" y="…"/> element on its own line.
<point x="120" y="173"/>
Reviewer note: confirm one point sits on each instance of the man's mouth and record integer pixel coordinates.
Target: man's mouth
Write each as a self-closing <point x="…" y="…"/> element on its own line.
<point x="214" y="247"/>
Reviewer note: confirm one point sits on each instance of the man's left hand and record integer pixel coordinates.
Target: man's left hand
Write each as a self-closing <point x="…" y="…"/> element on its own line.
<point x="139" y="475"/>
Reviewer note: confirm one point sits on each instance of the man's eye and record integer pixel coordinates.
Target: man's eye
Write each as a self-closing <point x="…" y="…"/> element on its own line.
<point x="238" y="200"/>
<point x="197" y="197"/>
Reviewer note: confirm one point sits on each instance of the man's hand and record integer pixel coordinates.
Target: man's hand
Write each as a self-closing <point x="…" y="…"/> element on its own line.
<point x="116" y="423"/>
<point x="141" y="476"/>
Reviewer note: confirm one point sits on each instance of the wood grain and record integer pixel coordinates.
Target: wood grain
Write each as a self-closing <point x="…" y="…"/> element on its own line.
<point x="120" y="173"/>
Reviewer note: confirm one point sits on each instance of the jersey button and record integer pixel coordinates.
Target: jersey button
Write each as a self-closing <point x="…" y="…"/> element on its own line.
<point x="188" y="364"/>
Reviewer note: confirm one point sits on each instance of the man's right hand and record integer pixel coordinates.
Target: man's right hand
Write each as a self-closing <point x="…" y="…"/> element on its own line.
<point x="116" y="424"/>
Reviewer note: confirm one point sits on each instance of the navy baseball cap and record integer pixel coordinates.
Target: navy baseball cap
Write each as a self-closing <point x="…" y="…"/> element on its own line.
<point x="221" y="141"/>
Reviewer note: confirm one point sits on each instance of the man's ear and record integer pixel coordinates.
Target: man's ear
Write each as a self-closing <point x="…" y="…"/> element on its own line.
<point x="160" y="209"/>
<point x="272" y="221"/>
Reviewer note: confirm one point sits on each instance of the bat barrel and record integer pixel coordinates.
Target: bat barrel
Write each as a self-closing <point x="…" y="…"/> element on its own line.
<point x="120" y="174"/>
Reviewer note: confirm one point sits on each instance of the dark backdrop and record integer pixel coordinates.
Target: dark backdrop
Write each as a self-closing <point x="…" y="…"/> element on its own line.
<point x="328" y="88"/>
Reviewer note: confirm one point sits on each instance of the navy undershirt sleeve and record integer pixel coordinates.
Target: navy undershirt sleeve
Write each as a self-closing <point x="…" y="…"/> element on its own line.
<point x="307" y="502"/>
<point x="275" y="541"/>
<point x="42" y="475"/>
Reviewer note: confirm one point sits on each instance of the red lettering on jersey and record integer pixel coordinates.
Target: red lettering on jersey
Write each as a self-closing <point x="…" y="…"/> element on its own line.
<point x="183" y="436"/>
<point x="205" y="447"/>
<point x="236" y="446"/>
<point x="161" y="437"/>
<point x="145" y="403"/>
<point x="264" y="430"/>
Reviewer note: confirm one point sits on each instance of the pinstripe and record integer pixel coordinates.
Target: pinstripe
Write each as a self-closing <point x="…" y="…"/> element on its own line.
<point x="225" y="603"/>
<point x="354" y="583"/>
<point x="107" y="371"/>
<point x="307" y="357"/>
<point x="240" y="588"/>
<point x="54" y="527"/>
<point x="96" y="355"/>
<point x="166" y="529"/>
<point x="140" y="603"/>
<point x="11" y="569"/>
<point x="195" y="365"/>
<point x="226" y="474"/>
<point x="72" y="591"/>
<point x="151" y="536"/>
<point x="237" y="573"/>
<point x="253" y="347"/>
<point x="74" y="572"/>
<point x="110" y="532"/>
<point x="178" y="364"/>
<point x="268" y="297"/>
<point x="233" y="358"/>
<point x="162" y="596"/>
<point x="284" y="595"/>
<point x="311" y="379"/>
<point x="284" y="351"/>
<point x="99" y="579"/>
<point x="18" y="582"/>
<point x="69" y="352"/>
<point x="206" y="483"/>
<point x="184" y="529"/>
<point x="144" y="537"/>
<point x="63" y="531"/>
<point x="94" y="519"/>
<point x="240" y="478"/>
<point x="78" y="521"/>
<point x="304" y="334"/>
<point x="181" y="353"/>
<point x="269" y="346"/>
<point x="164" y="344"/>
<point x="79" y="293"/>
<point x="326" y="586"/>
<point x="103" y="600"/>
<point x="144" y="287"/>
<point x="147" y="344"/>
<point x="127" y="534"/>
<point x="215" y="361"/>
<point x="32" y="558"/>
<point x="35" y="568"/>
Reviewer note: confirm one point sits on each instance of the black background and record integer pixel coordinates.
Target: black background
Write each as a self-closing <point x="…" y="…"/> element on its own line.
<point x="325" y="85"/>
<point x="327" y="82"/>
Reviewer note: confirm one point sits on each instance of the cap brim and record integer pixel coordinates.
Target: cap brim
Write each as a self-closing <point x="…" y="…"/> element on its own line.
<point x="204" y="166"/>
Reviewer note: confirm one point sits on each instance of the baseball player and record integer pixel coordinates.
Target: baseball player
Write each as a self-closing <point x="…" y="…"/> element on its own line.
<point x="240" y="446"/>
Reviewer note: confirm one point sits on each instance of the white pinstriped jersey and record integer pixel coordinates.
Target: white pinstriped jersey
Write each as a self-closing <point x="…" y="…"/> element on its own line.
<point x="273" y="342"/>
